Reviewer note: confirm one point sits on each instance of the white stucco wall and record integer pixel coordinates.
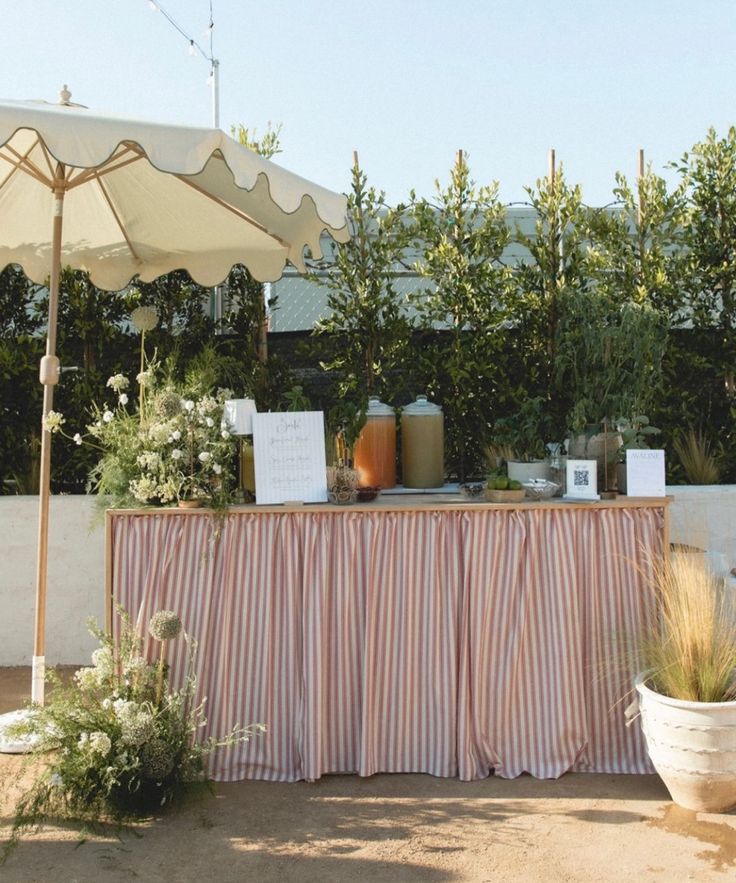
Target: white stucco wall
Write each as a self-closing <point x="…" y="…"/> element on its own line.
<point x="75" y="578"/>
<point x="700" y="516"/>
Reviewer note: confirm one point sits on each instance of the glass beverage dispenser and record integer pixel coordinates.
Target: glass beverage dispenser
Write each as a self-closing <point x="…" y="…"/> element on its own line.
<point x="374" y="453"/>
<point x="423" y="444"/>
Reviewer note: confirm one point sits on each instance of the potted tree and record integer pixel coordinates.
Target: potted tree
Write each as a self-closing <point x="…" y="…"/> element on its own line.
<point x="687" y="688"/>
<point x="609" y="357"/>
<point x="522" y="436"/>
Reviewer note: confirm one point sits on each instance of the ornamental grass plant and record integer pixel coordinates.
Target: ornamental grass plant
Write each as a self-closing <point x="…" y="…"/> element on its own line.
<point x="117" y="742"/>
<point x="689" y="651"/>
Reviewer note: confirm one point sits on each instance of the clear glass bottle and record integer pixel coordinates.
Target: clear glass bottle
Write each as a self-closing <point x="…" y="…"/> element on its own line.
<point x="422" y="444"/>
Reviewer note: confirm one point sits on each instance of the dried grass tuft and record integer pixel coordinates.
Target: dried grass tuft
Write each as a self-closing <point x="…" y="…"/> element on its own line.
<point x="691" y="649"/>
<point x="698" y="460"/>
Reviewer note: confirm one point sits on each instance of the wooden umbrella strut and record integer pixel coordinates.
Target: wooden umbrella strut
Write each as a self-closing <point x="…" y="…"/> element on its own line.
<point x="49" y="377"/>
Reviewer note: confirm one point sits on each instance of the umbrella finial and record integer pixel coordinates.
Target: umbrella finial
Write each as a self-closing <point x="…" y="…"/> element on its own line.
<point x="65" y="95"/>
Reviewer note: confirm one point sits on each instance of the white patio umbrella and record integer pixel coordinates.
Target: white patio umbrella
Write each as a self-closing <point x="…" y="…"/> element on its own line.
<point x="119" y="198"/>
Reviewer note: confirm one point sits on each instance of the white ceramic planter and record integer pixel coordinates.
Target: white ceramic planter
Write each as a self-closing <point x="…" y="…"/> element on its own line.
<point x="520" y="470"/>
<point x="693" y="748"/>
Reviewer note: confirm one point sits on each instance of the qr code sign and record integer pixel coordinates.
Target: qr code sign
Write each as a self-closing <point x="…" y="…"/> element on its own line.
<point x="581" y="478"/>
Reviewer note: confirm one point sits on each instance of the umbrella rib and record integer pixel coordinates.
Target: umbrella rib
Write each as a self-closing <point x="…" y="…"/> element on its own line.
<point x="86" y="175"/>
<point x="237" y="212"/>
<point x="116" y="216"/>
<point x="20" y="162"/>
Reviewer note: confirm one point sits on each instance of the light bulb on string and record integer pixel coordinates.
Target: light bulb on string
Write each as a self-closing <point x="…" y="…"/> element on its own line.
<point x="192" y="50"/>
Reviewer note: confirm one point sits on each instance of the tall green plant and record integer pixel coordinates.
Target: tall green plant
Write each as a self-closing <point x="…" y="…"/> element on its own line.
<point x="635" y="247"/>
<point x="367" y="328"/>
<point x="461" y="237"/>
<point x="553" y="265"/>
<point x="609" y="355"/>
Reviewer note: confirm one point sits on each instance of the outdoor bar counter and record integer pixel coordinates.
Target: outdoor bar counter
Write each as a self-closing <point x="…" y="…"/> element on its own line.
<point x="409" y="634"/>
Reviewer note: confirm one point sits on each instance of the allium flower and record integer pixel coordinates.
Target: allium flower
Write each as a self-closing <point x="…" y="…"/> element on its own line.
<point x="122" y="399"/>
<point x="176" y="454"/>
<point x="225" y="434"/>
<point x="144" y="378"/>
<point x="205" y="456"/>
<point x="77" y="438"/>
<point x="53" y="421"/>
<point x="216" y="468"/>
<point x="157" y="759"/>
<point x="118" y="382"/>
<point x="144" y="318"/>
<point x="188" y="405"/>
<point x="100" y="743"/>
<point x="136" y="728"/>
<point x="210" y="422"/>
<point x="176" y="435"/>
<point x="108" y="417"/>
<point x="164" y="625"/>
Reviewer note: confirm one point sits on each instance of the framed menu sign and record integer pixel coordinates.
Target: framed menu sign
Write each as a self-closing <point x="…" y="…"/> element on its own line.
<point x="289" y="452"/>
<point x="645" y="473"/>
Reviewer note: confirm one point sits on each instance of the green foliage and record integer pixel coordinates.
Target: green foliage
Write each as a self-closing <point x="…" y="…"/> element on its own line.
<point x="609" y="355"/>
<point x="268" y="144"/>
<point x="124" y="743"/>
<point x="554" y="266"/>
<point x="635" y="251"/>
<point x="367" y="328"/>
<point x="460" y="239"/>
<point x="525" y="432"/>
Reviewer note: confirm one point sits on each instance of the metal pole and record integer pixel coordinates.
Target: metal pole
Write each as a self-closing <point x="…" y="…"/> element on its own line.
<point x="217" y="292"/>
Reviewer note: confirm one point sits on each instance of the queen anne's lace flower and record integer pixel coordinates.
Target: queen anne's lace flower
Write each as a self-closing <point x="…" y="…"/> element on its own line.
<point x="53" y="421"/>
<point x="102" y="659"/>
<point x="164" y="625"/>
<point x="118" y="382"/>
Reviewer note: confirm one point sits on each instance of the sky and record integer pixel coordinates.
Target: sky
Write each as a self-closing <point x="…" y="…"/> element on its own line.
<point x="406" y="83"/>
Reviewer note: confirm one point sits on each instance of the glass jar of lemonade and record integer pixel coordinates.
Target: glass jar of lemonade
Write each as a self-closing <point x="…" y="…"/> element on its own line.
<point x="374" y="453"/>
<point x="422" y="444"/>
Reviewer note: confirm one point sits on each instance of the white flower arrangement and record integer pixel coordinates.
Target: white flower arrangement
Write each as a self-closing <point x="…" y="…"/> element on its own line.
<point x="175" y="449"/>
<point x="124" y="742"/>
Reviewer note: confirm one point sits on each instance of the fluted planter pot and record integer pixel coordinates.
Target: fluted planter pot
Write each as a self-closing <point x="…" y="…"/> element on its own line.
<point x="526" y="470"/>
<point x="693" y="748"/>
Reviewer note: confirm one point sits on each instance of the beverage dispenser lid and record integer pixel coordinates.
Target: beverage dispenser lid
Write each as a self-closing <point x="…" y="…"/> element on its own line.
<point x="422" y="407"/>
<point x="376" y="408"/>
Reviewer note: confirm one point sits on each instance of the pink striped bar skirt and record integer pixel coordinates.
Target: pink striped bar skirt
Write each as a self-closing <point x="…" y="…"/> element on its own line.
<point x="456" y="641"/>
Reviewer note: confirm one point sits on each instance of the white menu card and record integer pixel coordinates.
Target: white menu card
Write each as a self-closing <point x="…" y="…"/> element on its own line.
<point x="645" y="473"/>
<point x="289" y="453"/>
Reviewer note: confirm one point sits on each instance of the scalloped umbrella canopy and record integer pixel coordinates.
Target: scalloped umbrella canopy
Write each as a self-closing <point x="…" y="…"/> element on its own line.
<point x="121" y="198"/>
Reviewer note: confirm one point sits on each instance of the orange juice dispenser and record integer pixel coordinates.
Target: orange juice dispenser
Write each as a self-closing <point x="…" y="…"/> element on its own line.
<point x="423" y="444"/>
<point x="374" y="453"/>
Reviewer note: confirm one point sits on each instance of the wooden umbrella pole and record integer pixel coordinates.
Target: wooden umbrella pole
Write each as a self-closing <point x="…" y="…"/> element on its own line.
<point x="49" y="376"/>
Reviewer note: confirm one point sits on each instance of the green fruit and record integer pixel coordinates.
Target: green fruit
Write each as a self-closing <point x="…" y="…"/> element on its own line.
<point x="514" y="485"/>
<point x="501" y="484"/>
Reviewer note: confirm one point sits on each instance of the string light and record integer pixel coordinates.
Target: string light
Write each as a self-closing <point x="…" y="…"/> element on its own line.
<point x="194" y="48"/>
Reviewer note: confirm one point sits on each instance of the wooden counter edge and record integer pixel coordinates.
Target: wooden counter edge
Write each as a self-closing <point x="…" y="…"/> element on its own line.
<point x="406" y="503"/>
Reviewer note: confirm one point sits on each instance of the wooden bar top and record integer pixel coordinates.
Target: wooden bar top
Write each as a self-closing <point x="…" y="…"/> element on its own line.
<point x="412" y="502"/>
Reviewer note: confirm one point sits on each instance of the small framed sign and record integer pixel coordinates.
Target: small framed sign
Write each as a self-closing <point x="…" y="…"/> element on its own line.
<point x="289" y="453"/>
<point x="645" y="473"/>
<point x="582" y="480"/>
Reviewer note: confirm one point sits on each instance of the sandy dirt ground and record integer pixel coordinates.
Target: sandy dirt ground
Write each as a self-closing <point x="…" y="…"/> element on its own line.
<point x="393" y="828"/>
